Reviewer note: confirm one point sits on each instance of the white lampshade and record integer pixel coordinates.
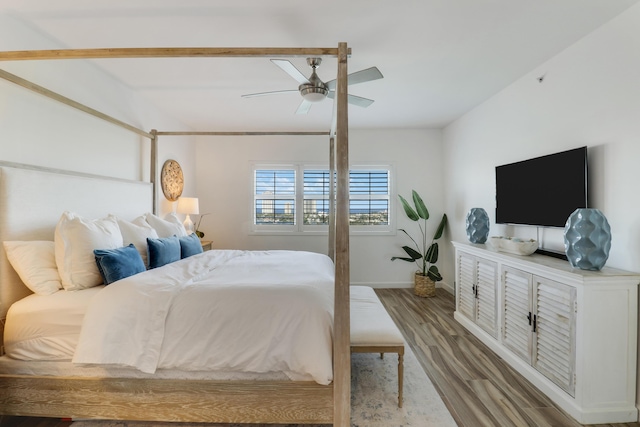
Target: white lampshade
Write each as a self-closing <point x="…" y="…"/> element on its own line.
<point x="188" y="205"/>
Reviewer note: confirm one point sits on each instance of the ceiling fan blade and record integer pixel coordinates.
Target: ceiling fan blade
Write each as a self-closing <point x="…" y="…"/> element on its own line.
<point x="290" y="69"/>
<point x="304" y="107"/>
<point x="277" y="92"/>
<point x="355" y="100"/>
<point x="359" y="77"/>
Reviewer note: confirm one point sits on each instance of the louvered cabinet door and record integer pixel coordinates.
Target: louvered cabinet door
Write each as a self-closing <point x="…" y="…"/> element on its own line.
<point x="466" y="285"/>
<point x="554" y="338"/>
<point x="486" y="306"/>
<point x="517" y="312"/>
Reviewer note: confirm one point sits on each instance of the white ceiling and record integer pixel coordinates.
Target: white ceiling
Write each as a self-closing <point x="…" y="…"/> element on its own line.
<point x="439" y="58"/>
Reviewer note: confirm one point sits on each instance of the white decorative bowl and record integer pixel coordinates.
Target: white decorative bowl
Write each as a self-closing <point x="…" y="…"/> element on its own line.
<point x="514" y="246"/>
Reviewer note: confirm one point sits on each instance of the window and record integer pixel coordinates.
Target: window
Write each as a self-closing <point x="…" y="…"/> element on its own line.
<point x="275" y="197"/>
<point x="295" y="198"/>
<point x="316" y="186"/>
<point x="369" y="197"/>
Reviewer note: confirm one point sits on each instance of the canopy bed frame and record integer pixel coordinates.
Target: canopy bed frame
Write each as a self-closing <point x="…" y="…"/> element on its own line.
<point x="197" y="400"/>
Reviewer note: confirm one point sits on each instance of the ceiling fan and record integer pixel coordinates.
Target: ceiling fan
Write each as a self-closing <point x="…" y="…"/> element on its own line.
<point x="314" y="90"/>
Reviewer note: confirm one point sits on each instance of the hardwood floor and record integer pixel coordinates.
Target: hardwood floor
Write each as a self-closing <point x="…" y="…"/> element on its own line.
<point x="477" y="387"/>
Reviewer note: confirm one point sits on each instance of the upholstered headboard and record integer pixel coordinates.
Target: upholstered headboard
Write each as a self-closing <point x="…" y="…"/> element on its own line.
<point x="32" y="200"/>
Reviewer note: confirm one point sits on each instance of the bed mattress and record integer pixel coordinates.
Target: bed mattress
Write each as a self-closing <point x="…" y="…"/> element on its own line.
<point x="46" y="327"/>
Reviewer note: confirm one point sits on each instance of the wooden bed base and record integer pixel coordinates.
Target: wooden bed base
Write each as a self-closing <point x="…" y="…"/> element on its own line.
<point x="193" y="400"/>
<point x="167" y="400"/>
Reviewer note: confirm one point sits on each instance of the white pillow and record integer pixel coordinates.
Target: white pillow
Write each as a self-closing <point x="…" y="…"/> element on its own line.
<point x="75" y="240"/>
<point x="35" y="263"/>
<point x="136" y="232"/>
<point x="170" y="226"/>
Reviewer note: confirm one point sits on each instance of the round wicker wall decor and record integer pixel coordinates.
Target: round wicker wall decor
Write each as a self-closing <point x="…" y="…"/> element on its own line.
<point x="172" y="180"/>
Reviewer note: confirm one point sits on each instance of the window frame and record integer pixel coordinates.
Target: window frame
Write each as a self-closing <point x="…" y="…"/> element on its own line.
<point x="390" y="196"/>
<point x="299" y="228"/>
<point x="270" y="228"/>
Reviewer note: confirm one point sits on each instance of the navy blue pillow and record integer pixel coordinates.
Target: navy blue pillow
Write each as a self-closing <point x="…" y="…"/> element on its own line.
<point x="163" y="251"/>
<point x="190" y="245"/>
<point x="116" y="264"/>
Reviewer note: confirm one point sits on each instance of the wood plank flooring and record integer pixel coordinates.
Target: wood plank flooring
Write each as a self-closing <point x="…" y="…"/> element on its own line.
<point x="477" y="387"/>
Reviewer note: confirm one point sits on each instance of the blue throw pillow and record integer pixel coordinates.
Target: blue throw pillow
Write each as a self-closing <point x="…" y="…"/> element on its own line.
<point x="116" y="264"/>
<point x="190" y="245"/>
<point x="163" y="251"/>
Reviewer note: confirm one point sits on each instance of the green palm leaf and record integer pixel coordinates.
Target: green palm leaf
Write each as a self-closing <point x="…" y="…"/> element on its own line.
<point x="413" y="216"/>
<point x="402" y="258"/>
<point x="412" y="252"/>
<point x="423" y="212"/>
<point x="440" y="230"/>
<point x="432" y="254"/>
<point x="434" y="274"/>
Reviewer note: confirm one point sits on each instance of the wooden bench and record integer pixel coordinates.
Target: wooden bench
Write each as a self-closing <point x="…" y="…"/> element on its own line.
<point x="373" y="330"/>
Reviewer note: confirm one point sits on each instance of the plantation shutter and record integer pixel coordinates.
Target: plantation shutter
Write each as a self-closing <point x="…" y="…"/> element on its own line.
<point x="275" y="197"/>
<point x="516" y="330"/>
<point x="486" y="280"/>
<point x="554" y="352"/>
<point x="466" y="294"/>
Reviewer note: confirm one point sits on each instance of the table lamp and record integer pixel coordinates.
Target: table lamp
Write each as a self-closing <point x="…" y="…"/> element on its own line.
<point x="188" y="206"/>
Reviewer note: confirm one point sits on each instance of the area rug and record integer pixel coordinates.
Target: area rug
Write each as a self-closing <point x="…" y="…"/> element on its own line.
<point x="374" y="398"/>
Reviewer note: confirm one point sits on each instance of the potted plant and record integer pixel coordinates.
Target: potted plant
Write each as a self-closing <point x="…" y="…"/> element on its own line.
<point x="199" y="233"/>
<point x="424" y="253"/>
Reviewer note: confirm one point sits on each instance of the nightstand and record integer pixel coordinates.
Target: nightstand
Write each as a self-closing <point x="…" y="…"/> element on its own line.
<point x="206" y="245"/>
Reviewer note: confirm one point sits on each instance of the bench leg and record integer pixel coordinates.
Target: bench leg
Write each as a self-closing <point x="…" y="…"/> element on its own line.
<point x="400" y="378"/>
<point x="381" y="355"/>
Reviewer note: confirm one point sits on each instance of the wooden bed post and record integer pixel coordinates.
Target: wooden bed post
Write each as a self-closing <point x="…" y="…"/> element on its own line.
<point x="341" y="315"/>
<point x="153" y="168"/>
<point x="332" y="199"/>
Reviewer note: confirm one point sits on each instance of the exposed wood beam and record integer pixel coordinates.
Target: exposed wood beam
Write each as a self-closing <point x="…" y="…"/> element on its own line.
<point x="70" y="102"/>
<point x="153" y="169"/>
<point x="341" y="320"/>
<point x="166" y="52"/>
<point x="332" y="199"/>
<point x="268" y="133"/>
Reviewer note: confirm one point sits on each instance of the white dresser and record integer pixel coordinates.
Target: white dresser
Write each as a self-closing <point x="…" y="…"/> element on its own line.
<point x="571" y="332"/>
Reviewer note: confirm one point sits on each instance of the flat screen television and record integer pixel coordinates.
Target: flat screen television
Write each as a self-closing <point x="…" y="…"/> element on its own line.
<point x="542" y="191"/>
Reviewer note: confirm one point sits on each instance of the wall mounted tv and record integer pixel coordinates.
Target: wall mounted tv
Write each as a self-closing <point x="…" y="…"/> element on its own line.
<point x="542" y="191"/>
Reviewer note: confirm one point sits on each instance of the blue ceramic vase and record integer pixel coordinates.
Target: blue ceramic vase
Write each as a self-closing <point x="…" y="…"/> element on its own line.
<point x="477" y="225"/>
<point x="587" y="239"/>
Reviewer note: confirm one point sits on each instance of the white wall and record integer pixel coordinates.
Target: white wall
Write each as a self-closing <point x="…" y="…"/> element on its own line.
<point x="39" y="131"/>
<point x="224" y="189"/>
<point x="590" y="95"/>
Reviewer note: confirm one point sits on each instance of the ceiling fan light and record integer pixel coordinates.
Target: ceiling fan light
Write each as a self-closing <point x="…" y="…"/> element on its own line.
<point x="313" y="93"/>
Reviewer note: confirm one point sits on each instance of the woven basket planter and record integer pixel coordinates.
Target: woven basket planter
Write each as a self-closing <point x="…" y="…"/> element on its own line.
<point x="423" y="286"/>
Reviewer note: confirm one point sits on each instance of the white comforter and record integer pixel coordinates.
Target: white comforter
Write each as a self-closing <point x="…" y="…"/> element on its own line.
<point x="251" y="311"/>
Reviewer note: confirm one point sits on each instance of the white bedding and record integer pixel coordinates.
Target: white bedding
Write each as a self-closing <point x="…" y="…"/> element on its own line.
<point x="46" y="327"/>
<point x="249" y="311"/>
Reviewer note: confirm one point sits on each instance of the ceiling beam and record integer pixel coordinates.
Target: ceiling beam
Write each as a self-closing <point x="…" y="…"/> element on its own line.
<point x="166" y="52"/>
<point x="244" y="133"/>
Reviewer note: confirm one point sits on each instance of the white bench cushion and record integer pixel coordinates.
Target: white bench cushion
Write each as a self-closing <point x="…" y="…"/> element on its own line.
<point x="371" y="325"/>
